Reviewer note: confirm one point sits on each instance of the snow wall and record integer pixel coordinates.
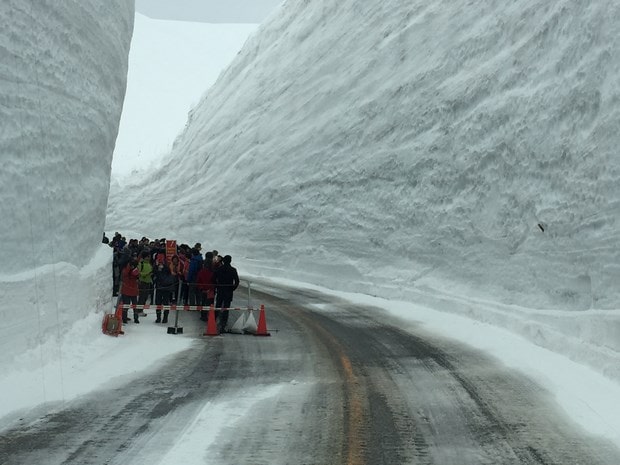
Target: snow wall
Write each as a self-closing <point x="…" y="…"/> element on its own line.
<point x="460" y="156"/>
<point x="63" y="68"/>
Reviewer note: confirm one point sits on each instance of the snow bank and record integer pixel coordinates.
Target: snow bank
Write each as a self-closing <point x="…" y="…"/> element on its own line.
<point x="63" y="68"/>
<point x="407" y="149"/>
<point x="53" y="348"/>
<point x="41" y="305"/>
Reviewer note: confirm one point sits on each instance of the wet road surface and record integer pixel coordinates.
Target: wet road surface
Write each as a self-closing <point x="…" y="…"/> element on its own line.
<point x="354" y="388"/>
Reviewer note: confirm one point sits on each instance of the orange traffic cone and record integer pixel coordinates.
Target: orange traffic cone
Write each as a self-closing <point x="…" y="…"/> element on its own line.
<point x="211" y="329"/>
<point x="261" y="329"/>
<point x="119" y="316"/>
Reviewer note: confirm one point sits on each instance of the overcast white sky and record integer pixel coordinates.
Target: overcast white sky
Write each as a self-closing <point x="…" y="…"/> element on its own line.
<point x="210" y="11"/>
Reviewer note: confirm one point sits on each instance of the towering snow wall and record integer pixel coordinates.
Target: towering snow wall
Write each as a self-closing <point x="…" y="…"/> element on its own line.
<point x="63" y="68"/>
<point x="403" y="147"/>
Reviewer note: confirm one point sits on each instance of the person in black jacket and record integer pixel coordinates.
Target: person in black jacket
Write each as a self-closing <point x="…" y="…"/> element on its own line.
<point x="226" y="281"/>
<point x="165" y="284"/>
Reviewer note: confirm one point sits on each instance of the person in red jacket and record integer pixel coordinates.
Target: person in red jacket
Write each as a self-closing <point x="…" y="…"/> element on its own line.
<point x="129" y="288"/>
<point x="205" y="280"/>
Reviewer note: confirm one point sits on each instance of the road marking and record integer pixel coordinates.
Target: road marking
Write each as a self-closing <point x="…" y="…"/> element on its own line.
<point x="355" y="403"/>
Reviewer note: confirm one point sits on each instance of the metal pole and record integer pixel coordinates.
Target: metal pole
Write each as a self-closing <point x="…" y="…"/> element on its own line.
<point x="176" y="316"/>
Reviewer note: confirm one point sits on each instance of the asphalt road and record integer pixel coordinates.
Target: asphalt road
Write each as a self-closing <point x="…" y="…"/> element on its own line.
<point x="357" y="387"/>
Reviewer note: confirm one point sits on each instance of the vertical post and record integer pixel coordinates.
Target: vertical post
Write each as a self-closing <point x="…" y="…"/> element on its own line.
<point x="176" y="317"/>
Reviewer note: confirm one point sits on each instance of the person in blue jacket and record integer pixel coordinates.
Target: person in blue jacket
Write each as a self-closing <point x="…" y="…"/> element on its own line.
<point x="195" y="264"/>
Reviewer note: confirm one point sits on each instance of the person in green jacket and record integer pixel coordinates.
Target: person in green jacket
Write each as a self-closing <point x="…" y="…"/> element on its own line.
<point x="145" y="280"/>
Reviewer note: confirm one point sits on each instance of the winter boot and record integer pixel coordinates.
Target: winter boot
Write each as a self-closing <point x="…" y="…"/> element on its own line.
<point x="158" y="313"/>
<point x="165" y="320"/>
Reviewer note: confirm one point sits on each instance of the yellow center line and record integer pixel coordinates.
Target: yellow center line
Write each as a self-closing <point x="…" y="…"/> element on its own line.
<point x="355" y="454"/>
<point x="354" y="395"/>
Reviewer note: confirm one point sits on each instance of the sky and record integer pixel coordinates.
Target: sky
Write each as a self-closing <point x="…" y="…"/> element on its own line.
<point x="470" y="186"/>
<point x="177" y="62"/>
<point x="209" y="11"/>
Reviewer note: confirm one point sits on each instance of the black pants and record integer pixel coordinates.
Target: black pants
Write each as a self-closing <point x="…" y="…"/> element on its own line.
<point x="206" y="302"/>
<point x="194" y="294"/>
<point x="183" y="298"/>
<point x="146" y="291"/>
<point x="223" y="300"/>
<point x="162" y="297"/>
<point x="129" y="299"/>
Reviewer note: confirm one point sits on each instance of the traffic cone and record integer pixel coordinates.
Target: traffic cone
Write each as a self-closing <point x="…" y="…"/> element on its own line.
<point x="119" y="316"/>
<point x="211" y="329"/>
<point x="262" y="323"/>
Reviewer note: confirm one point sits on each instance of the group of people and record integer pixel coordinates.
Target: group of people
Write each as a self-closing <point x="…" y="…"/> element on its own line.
<point x="143" y="272"/>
